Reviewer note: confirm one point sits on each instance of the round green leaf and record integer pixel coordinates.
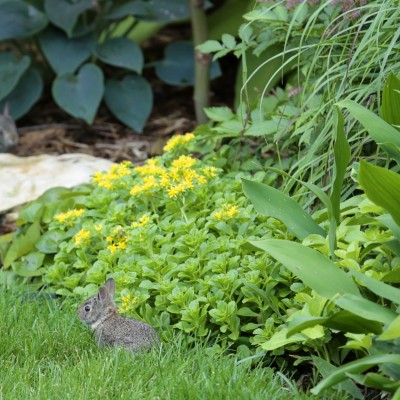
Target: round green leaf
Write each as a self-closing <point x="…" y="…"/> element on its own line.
<point x="19" y="19"/>
<point x="65" y="54"/>
<point x="130" y="100"/>
<point x="11" y="70"/>
<point x="177" y="68"/>
<point x="25" y="94"/>
<point x="121" y="52"/>
<point x="65" y="13"/>
<point x="80" y="95"/>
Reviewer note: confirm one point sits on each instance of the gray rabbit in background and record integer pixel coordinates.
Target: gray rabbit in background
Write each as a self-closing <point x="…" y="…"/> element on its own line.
<point x="8" y="131"/>
<point x="112" y="329"/>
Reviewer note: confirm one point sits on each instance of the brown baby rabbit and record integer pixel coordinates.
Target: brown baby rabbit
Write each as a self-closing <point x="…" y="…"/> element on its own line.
<point x="110" y="328"/>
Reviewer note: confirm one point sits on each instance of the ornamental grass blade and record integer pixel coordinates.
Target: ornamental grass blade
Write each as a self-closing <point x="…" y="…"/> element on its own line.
<point x="272" y="202"/>
<point x="313" y="268"/>
<point x="342" y="158"/>
<point x="382" y="186"/>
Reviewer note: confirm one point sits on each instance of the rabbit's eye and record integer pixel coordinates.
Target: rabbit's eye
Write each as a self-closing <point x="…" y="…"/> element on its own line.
<point x="87" y="308"/>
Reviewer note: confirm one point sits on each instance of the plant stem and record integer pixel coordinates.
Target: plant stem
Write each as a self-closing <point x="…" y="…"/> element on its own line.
<point x="202" y="61"/>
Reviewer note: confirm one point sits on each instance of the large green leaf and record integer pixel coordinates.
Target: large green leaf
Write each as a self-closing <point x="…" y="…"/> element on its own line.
<point x="25" y="94"/>
<point x="383" y="133"/>
<point x="325" y="369"/>
<point x="121" y="52"/>
<point x="354" y="367"/>
<point x="272" y="202"/>
<point x="29" y="265"/>
<point x="22" y="244"/>
<point x="19" y="19"/>
<point x="313" y="268"/>
<point x="382" y="186"/>
<point x="63" y="53"/>
<point x="390" y="109"/>
<point x="380" y="288"/>
<point x="130" y="100"/>
<point x="11" y="70"/>
<point x="65" y="13"/>
<point x="392" y="331"/>
<point x="80" y="95"/>
<point x="177" y="67"/>
<point x="343" y="320"/>
<point x="368" y="309"/>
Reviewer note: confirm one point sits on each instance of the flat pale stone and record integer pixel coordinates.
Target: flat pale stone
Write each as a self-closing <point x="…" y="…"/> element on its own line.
<point x="23" y="179"/>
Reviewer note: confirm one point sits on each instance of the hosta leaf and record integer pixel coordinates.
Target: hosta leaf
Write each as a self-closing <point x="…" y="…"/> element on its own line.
<point x="65" y="13"/>
<point x="19" y="19"/>
<point x="11" y="71"/>
<point x="130" y="100"/>
<point x="65" y="54"/>
<point x="80" y="94"/>
<point x="25" y="94"/>
<point x="121" y="52"/>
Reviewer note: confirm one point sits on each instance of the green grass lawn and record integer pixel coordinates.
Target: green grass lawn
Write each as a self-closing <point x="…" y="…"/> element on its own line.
<point x="46" y="353"/>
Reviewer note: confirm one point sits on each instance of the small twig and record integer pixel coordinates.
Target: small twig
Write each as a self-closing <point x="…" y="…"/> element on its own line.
<point x="33" y="128"/>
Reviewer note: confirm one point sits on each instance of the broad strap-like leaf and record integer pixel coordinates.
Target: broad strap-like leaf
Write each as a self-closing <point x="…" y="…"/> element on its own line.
<point x="382" y="186"/>
<point x="383" y="133"/>
<point x="272" y="202"/>
<point x="313" y="268"/>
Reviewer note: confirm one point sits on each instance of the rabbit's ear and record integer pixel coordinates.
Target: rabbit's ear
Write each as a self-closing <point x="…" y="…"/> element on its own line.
<point x="103" y="294"/>
<point x="110" y="286"/>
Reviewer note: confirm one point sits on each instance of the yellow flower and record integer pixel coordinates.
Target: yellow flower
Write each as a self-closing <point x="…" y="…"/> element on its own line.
<point x="143" y="221"/>
<point x="150" y="168"/>
<point x="228" y="211"/>
<point x="149" y="182"/>
<point x="183" y="162"/>
<point x="176" y="190"/>
<point x="178" y="140"/>
<point x="128" y="303"/>
<point x="112" y="247"/>
<point x="62" y="217"/>
<point x="81" y="236"/>
<point x="117" y="171"/>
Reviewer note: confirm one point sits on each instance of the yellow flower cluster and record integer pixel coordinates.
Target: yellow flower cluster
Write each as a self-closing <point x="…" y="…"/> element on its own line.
<point x="177" y="179"/>
<point x="81" y="236"/>
<point x="178" y="140"/>
<point x="228" y="211"/>
<point x="63" y="217"/>
<point x="117" y="242"/>
<point x="143" y="221"/>
<point x="128" y="303"/>
<point x="117" y="171"/>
